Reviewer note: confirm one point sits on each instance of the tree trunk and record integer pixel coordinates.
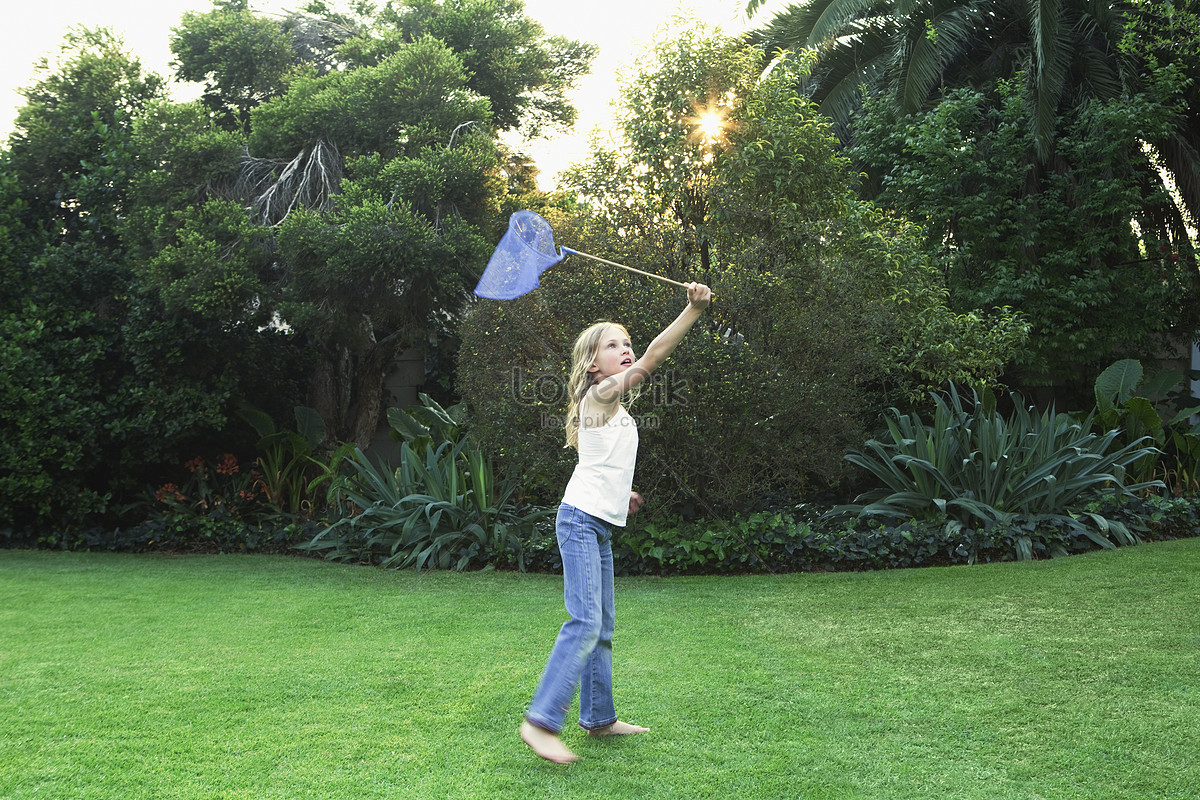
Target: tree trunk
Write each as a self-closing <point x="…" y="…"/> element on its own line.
<point x="346" y="387"/>
<point x="366" y="408"/>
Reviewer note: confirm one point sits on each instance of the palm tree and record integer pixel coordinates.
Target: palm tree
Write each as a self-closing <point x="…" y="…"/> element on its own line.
<point x="912" y="50"/>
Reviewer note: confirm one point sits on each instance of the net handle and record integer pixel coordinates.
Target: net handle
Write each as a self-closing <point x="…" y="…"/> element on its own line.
<point x="622" y="266"/>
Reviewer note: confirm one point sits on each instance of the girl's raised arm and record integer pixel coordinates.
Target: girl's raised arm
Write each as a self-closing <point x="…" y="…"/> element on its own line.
<point x="611" y="388"/>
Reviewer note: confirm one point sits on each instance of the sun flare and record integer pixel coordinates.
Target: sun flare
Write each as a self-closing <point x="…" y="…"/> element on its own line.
<point x="710" y="125"/>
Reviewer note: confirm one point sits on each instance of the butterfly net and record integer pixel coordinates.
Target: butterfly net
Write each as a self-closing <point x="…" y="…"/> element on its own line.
<point x="524" y="253"/>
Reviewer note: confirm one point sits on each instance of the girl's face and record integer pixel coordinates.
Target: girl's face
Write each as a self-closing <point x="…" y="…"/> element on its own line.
<point x="614" y="355"/>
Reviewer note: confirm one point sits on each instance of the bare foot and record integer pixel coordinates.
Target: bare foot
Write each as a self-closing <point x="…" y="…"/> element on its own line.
<point x="546" y="744"/>
<point x="618" y="728"/>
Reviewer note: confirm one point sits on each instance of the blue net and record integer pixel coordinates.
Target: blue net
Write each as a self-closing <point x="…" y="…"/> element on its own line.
<point x="525" y="252"/>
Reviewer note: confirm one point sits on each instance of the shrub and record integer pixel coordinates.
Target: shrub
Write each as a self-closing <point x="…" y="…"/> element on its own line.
<point x="50" y="424"/>
<point x="802" y="539"/>
<point x="1130" y="404"/>
<point x="441" y="507"/>
<point x="286" y="476"/>
<point x="980" y="469"/>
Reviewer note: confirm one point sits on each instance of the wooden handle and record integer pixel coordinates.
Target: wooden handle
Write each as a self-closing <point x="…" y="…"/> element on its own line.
<point x="622" y="266"/>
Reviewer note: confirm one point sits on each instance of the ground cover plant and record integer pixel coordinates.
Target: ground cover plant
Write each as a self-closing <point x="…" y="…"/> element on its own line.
<point x="267" y="677"/>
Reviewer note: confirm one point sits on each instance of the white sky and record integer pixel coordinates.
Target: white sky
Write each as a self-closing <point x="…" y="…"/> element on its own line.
<point x="619" y="27"/>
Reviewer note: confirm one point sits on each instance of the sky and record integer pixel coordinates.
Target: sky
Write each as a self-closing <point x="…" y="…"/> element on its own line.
<point x="620" y="27"/>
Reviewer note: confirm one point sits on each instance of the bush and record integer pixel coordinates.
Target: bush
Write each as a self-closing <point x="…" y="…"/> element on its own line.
<point x="441" y="507"/>
<point x="1045" y="239"/>
<point x="1130" y="405"/>
<point x="49" y="431"/>
<point x="982" y="470"/>
<point x="802" y="539"/>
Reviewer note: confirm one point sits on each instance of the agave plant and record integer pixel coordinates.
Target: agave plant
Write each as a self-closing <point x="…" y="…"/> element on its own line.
<point x="441" y="507"/>
<point x="979" y="469"/>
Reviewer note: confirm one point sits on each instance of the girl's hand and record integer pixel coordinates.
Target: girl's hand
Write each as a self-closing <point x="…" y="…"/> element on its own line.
<point x="635" y="502"/>
<point x="699" y="295"/>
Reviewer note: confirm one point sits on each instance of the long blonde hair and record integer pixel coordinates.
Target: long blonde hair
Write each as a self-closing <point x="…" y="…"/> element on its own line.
<point x="583" y="355"/>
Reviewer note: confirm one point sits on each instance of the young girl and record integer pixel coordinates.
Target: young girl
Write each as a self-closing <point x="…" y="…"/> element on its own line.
<point x="598" y="497"/>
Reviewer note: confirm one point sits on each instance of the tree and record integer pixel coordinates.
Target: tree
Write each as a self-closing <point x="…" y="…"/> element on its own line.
<point x="1165" y="35"/>
<point x="825" y="308"/>
<point x="241" y="59"/>
<point x="1095" y="287"/>
<point x="67" y="183"/>
<point x="370" y="185"/>
<point x="244" y="59"/>
<point x="1061" y="62"/>
<point x="102" y="386"/>
<point x="1065" y="52"/>
<point x="509" y="59"/>
<point x="68" y="145"/>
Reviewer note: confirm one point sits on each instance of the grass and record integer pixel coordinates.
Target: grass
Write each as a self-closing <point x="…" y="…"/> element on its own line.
<point x="265" y="677"/>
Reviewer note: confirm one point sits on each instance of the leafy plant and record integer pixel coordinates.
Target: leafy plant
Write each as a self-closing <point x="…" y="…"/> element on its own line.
<point x="285" y="477"/>
<point x="427" y="424"/>
<point x="1126" y="400"/>
<point x="980" y="469"/>
<point x="442" y="507"/>
<point x="827" y="309"/>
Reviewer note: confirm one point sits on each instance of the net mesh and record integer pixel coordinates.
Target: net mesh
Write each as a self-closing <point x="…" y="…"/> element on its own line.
<point x="523" y="254"/>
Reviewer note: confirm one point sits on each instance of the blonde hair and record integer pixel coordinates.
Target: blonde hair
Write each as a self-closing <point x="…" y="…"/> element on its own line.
<point x="583" y="355"/>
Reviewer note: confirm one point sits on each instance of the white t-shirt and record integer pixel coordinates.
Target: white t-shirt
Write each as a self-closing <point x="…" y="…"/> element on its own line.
<point x="603" y="478"/>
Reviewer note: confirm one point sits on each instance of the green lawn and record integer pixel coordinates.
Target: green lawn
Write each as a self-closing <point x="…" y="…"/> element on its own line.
<point x="265" y="677"/>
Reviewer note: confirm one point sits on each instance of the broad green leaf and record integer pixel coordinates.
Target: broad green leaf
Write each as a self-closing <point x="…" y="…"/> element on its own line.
<point x="310" y="425"/>
<point x="1116" y="384"/>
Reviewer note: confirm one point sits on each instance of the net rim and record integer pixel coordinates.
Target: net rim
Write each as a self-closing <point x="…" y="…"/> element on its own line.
<point x="526" y="214"/>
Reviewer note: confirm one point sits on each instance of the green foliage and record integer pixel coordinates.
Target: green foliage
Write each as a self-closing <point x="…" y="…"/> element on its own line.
<point x="210" y="505"/>
<point x="442" y="507"/>
<point x="157" y="284"/>
<point x="368" y="167"/>
<point x="824" y="306"/>
<point x="414" y="97"/>
<point x="427" y="425"/>
<point x="981" y="469"/>
<point x="508" y="58"/>
<point x="50" y="438"/>
<point x="1137" y="408"/>
<point x="838" y="268"/>
<point x="182" y="157"/>
<point x="1164" y="36"/>
<point x="125" y="386"/>
<point x="1059" y="56"/>
<point x="344" y="264"/>
<point x="512" y="370"/>
<point x="213" y="265"/>
<point x="285" y="476"/>
<point x="241" y="59"/>
<point x="801" y="539"/>
<point x="208" y="486"/>
<point x="16" y="239"/>
<point x="1064" y="255"/>
<point x="69" y="147"/>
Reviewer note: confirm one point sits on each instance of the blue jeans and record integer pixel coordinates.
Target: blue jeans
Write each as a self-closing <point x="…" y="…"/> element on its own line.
<point x="582" y="653"/>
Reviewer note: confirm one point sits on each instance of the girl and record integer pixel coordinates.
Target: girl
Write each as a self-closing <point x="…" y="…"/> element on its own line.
<point x="598" y="496"/>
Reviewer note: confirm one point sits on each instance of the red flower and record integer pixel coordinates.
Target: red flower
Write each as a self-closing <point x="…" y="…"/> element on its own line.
<point x="196" y="463"/>
<point x="169" y="493"/>
<point x="228" y="465"/>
